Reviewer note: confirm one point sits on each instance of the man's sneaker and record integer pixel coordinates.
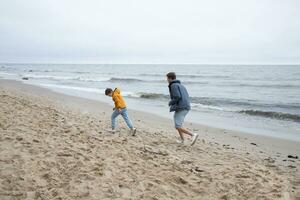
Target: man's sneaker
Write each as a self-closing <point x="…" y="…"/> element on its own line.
<point x="180" y="141"/>
<point x="133" y="131"/>
<point x="194" y="139"/>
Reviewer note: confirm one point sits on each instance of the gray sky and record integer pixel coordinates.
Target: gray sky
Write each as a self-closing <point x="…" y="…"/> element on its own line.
<point x="150" y="31"/>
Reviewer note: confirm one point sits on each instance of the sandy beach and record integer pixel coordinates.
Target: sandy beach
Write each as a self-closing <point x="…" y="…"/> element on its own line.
<point x="54" y="146"/>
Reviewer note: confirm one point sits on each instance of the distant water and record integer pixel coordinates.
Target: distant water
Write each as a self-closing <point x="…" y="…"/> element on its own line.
<point x="257" y="99"/>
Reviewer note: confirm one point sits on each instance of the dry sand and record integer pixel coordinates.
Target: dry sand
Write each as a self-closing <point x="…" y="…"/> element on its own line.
<point x="54" y="146"/>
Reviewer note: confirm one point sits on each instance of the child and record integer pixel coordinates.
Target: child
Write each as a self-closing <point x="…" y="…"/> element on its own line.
<point x="180" y="105"/>
<point x="119" y="109"/>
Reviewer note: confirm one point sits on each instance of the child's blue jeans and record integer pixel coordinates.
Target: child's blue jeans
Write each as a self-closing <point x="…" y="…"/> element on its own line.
<point x="125" y="116"/>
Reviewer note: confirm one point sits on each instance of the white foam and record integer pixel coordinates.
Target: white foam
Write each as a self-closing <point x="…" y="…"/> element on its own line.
<point x="194" y="105"/>
<point x="49" y="77"/>
<point x="84" y="89"/>
<point x="98" y="79"/>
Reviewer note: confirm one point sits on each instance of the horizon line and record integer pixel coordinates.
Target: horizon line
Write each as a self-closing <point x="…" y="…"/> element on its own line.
<point x="124" y="63"/>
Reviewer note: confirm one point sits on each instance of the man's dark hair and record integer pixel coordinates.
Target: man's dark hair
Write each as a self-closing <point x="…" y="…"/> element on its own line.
<point x="171" y="75"/>
<point x="108" y="91"/>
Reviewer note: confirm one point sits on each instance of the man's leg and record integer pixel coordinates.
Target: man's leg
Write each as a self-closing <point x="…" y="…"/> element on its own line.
<point x="182" y="130"/>
<point x="126" y="118"/>
<point x="178" y="120"/>
<point x="113" y="118"/>
<point x="180" y="133"/>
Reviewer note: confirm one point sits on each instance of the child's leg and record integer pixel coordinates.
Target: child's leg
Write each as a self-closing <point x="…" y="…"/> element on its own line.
<point x="113" y="119"/>
<point x="126" y="118"/>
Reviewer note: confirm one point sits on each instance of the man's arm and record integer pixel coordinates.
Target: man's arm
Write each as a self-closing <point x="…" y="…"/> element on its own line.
<point x="176" y="95"/>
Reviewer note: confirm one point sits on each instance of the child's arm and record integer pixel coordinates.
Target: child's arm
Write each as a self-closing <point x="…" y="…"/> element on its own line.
<point x="117" y="103"/>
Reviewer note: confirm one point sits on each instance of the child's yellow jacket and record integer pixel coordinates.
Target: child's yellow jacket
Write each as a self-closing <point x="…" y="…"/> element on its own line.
<point x="118" y="99"/>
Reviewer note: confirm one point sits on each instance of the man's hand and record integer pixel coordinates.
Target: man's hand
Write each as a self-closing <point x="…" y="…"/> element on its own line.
<point x="120" y="110"/>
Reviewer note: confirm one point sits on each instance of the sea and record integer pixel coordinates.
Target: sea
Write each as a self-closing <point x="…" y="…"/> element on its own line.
<point x="257" y="99"/>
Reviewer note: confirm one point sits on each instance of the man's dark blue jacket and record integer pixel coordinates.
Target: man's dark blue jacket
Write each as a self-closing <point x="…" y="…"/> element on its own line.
<point x="179" y="97"/>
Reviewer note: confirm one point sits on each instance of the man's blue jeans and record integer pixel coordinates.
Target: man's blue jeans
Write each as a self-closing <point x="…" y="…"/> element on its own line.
<point x="125" y="116"/>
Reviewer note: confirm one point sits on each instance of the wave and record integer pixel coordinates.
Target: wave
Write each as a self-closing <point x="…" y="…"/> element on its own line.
<point x="149" y="95"/>
<point x="8" y="68"/>
<point x="60" y="78"/>
<point x="209" y="103"/>
<point x="195" y="82"/>
<point x="204" y="105"/>
<point x="219" y="103"/>
<point x="36" y="70"/>
<point x="6" y="74"/>
<point x="262" y="85"/>
<point x="100" y="79"/>
<point x="113" y="79"/>
<point x="34" y="76"/>
<point x="81" y="72"/>
<point x="80" y="78"/>
<point x="55" y="70"/>
<point x="84" y="89"/>
<point x="271" y="114"/>
<point x="241" y="103"/>
<point x="77" y="77"/>
<point x="186" y="75"/>
<point x="133" y="80"/>
<point x="194" y="105"/>
<point x="151" y="81"/>
<point x="108" y="79"/>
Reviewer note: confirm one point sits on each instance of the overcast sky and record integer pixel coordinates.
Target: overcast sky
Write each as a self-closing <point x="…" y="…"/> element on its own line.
<point x="150" y="31"/>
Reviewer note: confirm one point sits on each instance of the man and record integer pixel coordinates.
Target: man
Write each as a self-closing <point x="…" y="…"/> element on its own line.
<point x="180" y="104"/>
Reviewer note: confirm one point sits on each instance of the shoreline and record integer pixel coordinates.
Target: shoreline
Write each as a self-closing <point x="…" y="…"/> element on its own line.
<point x="76" y="102"/>
<point x="254" y="147"/>
<point x="221" y="116"/>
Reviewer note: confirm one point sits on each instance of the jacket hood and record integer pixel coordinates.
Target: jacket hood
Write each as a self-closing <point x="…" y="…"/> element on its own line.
<point x="174" y="81"/>
<point x="117" y="91"/>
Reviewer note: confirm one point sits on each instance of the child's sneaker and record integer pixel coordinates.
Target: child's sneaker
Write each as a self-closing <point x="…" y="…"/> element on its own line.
<point x="133" y="131"/>
<point x="194" y="138"/>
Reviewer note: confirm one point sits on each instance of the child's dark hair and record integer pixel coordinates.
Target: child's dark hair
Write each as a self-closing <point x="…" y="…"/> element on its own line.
<point x="171" y="75"/>
<point x="108" y="91"/>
